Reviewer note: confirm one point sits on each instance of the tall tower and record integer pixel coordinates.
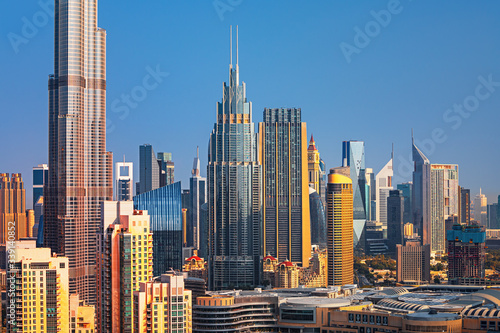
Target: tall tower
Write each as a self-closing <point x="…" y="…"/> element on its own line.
<point x="197" y="197"/>
<point x="418" y="204"/>
<point x="234" y="199"/>
<point x="40" y="176"/>
<point x="339" y="217"/>
<point x="383" y="186"/>
<point x="283" y="157"/>
<point x="313" y="166"/>
<point x="149" y="169"/>
<point x="80" y="168"/>
<point x="124" y="180"/>
<point x="12" y="207"/>
<point x="480" y="209"/>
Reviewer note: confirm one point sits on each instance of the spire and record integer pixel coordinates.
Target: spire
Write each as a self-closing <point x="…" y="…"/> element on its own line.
<point x="312" y="144"/>
<point x="392" y="153"/>
<point x="195" y="172"/>
<point x="231" y="46"/>
<point x="236" y="46"/>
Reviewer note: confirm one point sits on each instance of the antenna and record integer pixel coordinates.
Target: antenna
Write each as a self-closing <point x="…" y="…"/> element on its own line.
<point x="412" y="140"/>
<point x="231" y="43"/>
<point x="236" y="45"/>
<point x="392" y="153"/>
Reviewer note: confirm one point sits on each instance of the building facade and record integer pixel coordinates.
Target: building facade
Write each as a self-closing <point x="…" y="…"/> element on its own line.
<point x="419" y="202"/>
<point x="124" y="180"/>
<point x="12" y="207"/>
<point x="166" y="166"/>
<point x="40" y="176"/>
<point x="80" y="168"/>
<point x="197" y="197"/>
<point x="164" y="206"/>
<point x="149" y="169"/>
<point x="413" y="262"/>
<point x="283" y="157"/>
<point x="383" y="188"/>
<point x="395" y="212"/>
<point x="480" y="209"/>
<point x="318" y="219"/>
<point x="339" y="218"/>
<point x="464" y="201"/>
<point x="466" y="252"/>
<point x="81" y="316"/>
<point x="406" y="191"/>
<point x="125" y="259"/>
<point x="234" y="192"/>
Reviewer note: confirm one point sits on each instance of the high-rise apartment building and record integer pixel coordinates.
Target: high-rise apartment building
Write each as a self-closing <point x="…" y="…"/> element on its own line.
<point x="234" y="198"/>
<point x="480" y="209"/>
<point x="283" y="157"/>
<point x="42" y="290"/>
<point x="80" y="168"/>
<point x="466" y="252"/>
<point x="464" y="211"/>
<point x="383" y="187"/>
<point x="40" y="176"/>
<point x="395" y="212"/>
<point x="125" y="259"/>
<point x="124" y="180"/>
<point x="413" y="262"/>
<point x="406" y="191"/>
<point x="12" y="207"/>
<point x="164" y="206"/>
<point x="197" y="197"/>
<point x="163" y="305"/>
<point x="353" y="156"/>
<point x="166" y="168"/>
<point x="81" y="316"/>
<point x="339" y="218"/>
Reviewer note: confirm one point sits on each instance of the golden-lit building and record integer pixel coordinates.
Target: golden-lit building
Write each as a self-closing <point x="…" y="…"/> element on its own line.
<point x="408" y="230"/>
<point x="313" y="168"/>
<point x="42" y="290"/>
<point x="339" y="219"/>
<point x="196" y="267"/>
<point x="12" y="207"/>
<point x="163" y="305"/>
<point x="287" y="275"/>
<point x="269" y="264"/>
<point x="315" y="276"/>
<point x="125" y="259"/>
<point x="30" y="222"/>
<point x="283" y="156"/>
<point x="81" y="316"/>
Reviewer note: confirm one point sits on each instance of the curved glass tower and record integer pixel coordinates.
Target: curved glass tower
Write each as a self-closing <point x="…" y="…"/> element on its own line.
<point x="234" y="200"/>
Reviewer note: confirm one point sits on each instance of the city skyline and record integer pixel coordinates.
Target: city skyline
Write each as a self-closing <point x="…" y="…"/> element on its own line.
<point x="424" y="97"/>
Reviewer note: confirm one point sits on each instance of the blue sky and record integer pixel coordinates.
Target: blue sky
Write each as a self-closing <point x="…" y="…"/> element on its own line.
<point x="401" y="72"/>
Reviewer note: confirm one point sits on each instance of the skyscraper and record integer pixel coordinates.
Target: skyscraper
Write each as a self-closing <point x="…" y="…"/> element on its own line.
<point x="413" y="262"/>
<point x="197" y="197"/>
<point x="353" y="156"/>
<point x="314" y="168"/>
<point x="383" y="187"/>
<point x="149" y="169"/>
<point x="419" y="205"/>
<point x="464" y="206"/>
<point x="466" y="252"/>
<point x="395" y="212"/>
<point x="480" y="209"/>
<point x="318" y="219"/>
<point x="406" y="191"/>
<point x="492" y="216"/>
<point x="40" y="176"/>
<point x="234" y="198"/>
<point x="339" y="218"/>
<point x="164" y="206"/>
<point x="283" y="157"/>
<point x="12" y="207"/>
<point x="166" y="168"/>
<point x="80" y="168"/>
<point x="124" y="180"/>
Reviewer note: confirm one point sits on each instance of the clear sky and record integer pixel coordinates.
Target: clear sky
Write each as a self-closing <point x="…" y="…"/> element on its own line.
<point x="360" y="70"/>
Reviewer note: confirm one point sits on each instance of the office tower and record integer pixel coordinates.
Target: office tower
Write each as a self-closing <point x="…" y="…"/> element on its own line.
<point x="197" y="197"/>
<point x="164" y="206"/>
<point x="406" y="191"/>
<point x="464" y="206"/>
<point x="12" y="207"/>
<point x="353" y="156"/>
<point x="419" y="205"/>
<point x="125" y="259"/>
<point x="163" y="305"/>
<point x="383" y="187"/>
<point x="339" y="218"/>
<point x="42" y="290"/>
<point x="38" y="227"/>
<point x="40" y="176"/>
<point x="283" y="157"/>
<point x="81" y="316"/>
<point x="480" y="209"/>
<point x="413" y="262"/>
<point x="466" y="252"/>
<point x="370" y="194"/>
<point x="442" y="202"/>
<point x="124" y="179"/>
<point x="30" y="222"/>
<point x="395" y="212"/>
<point x="80" y="168"/>
<point x="492" y="216"/>
<point x="318" y="219"/>
<point x="408" y="230"/>
<point x="166" y="168"/>
<point x="234" y="198"/>
<point x="149" y="169"/>
<point x="204" y="231"/>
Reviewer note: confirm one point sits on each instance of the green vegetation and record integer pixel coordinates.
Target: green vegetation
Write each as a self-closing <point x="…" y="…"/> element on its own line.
<point x="493" y="259"/>
<point x="437" y="267"/>
<point x="381" y="262"/>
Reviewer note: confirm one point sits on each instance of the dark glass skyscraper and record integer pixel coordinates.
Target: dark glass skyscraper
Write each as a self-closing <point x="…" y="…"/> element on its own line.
<point x="420" y="191"/>
<point x="283" y="157"/>
<point x="395" y="211"/>
<point x="234" y="199"/>
<point x="80" y="168"/>
<point x="40" y="176"/>
<point x="164" y="206"/>
<point x="149" y="169"/>
<point x="197" y="197"/>
<point x="406" y="192"/>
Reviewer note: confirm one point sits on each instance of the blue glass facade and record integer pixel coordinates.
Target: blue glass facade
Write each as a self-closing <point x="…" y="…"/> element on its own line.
<point x="406" y="190"/>
<point x="164" y="206"/>
<point x="318" y="220"/>
<point x="40" y="176"/>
